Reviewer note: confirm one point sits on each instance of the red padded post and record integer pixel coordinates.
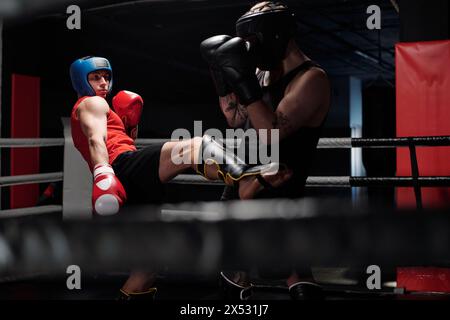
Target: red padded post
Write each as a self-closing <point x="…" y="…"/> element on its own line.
<point x="423" y="109"/>
<point x="25" y="118"/>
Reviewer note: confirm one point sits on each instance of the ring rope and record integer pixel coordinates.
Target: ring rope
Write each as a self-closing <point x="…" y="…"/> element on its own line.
<point x="324" y="143"/>
<point x="31" y="143"/>
<point x="31" y="178"/>
<point x="335" y="181"/>
<point x="25" y="212"/>
<point x="318" y="181"/>
<point x="345" y="143"/>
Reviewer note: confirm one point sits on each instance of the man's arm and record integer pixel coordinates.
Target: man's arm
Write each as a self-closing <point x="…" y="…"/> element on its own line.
<point x="305" y="104"/>
<point x="108" y="193"/>
<point x="235" y="113"/>
<point x="92" y="113"/>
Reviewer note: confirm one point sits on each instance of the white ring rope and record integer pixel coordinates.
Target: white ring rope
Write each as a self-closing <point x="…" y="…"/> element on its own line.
<point x="26" y="212"/>
<point x="31" y="178"/>
<point x="31" y="143"/>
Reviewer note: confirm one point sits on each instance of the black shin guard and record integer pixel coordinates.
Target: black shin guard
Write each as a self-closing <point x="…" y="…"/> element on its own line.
<point x="230" y="168"/>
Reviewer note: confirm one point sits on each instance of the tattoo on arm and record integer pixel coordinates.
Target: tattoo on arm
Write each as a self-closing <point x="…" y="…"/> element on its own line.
<point x="231" y="105"/>
<point x="239" y="112"/>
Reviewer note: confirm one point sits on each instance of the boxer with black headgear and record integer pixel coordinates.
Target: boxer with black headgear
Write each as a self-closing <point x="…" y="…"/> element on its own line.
<point x="267" y="82"/>
<point x="267" y="33"/>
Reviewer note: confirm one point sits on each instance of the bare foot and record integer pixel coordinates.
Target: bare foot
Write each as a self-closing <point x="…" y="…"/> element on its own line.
<point x="139" y="282"/>
<point x="250" y="186"/>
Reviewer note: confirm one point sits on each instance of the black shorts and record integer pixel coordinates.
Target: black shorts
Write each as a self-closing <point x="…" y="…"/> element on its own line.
<point x="139" y="173"/>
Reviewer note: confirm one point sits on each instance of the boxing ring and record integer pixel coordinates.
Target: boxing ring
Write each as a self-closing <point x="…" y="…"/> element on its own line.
<point x="202" y="238"/>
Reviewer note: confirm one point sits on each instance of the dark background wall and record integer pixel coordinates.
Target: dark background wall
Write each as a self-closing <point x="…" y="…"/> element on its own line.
<point x="422" y="20"/>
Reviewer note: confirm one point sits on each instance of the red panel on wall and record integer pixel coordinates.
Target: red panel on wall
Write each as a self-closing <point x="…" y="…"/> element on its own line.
<point x="25" y="108"/>
<point x="423" y="109"/>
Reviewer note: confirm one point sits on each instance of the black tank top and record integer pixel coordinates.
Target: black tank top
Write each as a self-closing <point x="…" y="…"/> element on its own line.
<point x="297" y="150"/>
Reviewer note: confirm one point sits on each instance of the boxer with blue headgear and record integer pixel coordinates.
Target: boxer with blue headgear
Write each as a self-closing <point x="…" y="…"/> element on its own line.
<point x="80" y="70"/>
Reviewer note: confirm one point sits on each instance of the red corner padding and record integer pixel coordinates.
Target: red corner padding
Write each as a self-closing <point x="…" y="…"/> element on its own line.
<point x="25" y="105"/>
<point x="423" y="109"/>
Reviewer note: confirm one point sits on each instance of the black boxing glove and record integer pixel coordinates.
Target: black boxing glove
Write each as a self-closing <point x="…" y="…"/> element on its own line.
<point x="208" y="49"/>
<point x="239" y="70"/>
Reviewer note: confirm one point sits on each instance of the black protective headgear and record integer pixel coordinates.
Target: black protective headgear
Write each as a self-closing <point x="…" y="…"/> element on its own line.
<point x="268" y="33"/>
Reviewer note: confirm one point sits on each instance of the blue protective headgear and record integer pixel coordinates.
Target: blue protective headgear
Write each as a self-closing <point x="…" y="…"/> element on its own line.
<point x="80" y="69"/>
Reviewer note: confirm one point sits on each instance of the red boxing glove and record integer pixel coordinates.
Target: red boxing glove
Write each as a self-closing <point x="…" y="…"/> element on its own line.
<point x="108" y="194"/>
<point x="128" y="106"/>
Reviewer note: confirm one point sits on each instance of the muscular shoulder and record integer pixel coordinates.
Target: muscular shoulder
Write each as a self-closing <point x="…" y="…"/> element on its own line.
<point x="93" y="105"/>
<point x="307" y="98"/>
<point x="315" y="79"/>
